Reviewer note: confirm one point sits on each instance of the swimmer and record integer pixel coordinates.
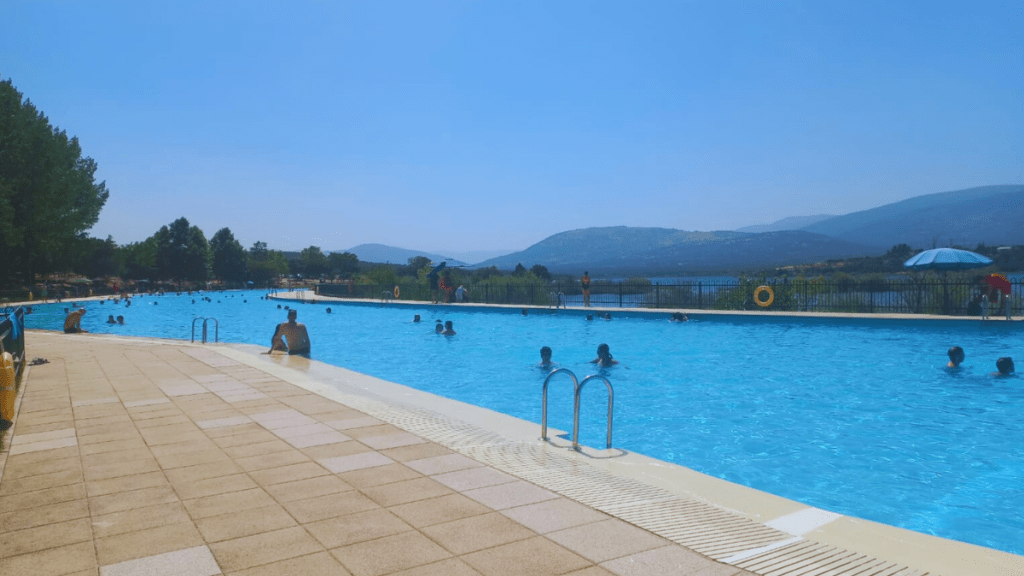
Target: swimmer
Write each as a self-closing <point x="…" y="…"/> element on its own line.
<point x="290" y="336"/>
<point x="120" y="320"/>
<point x="328" y="310"/>
<point x="607" y="316"/>
<point x="590" y="317"/>
<point x="439" y="327"/>
<point x="73" y="323"/>
<point x="416" y="318"/>
<point x="278" y="306"/>
<point x="956" y="356"/>
<point x="678" y="317"/>
<point x="524" y="312"/>
<point x="1004" y="366"/>
<point x="448" y="330"/>
<point x="604" y="357"/>
<point x="545" y="358"/>
<point x="110" y="319"/>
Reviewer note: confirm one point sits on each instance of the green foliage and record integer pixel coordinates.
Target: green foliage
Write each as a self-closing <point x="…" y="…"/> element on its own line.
<point x="97" y="258"/>
<point x="228" y="257"/>
<point x="343" y="264"/>
<point x="48" y="192"/>
<point x="382" y="275"/>
<point x="182" y="252"/>
<point x="313" y="261"/>
<point x="540" y="272"/>
<point x="265" y="265"/>
<point x="138" y="260"/>
<point x="520" y="270"/>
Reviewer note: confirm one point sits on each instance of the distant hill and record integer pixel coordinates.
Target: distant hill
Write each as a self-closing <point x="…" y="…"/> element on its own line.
<point x="629" y="250"/>
<point x="988" y="214"/>
<point x="385" y="254"/>
<point x="791" y="223"/>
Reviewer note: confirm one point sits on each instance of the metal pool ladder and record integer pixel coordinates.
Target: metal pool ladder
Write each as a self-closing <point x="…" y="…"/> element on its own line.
<point x="206" y="320"/>
<point x="577" y="390"/>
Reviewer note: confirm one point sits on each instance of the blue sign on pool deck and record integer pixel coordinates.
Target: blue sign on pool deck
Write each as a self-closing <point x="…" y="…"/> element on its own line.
<point x="859" y="417"/>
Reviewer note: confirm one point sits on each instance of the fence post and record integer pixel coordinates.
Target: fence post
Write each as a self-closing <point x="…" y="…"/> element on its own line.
<point x="657" y="294"/>
<point x="620" y="294"/>
<point x="700" y="295"/>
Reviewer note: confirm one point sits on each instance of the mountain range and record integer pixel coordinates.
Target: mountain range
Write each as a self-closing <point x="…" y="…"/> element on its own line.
<point x="987" y="214"/>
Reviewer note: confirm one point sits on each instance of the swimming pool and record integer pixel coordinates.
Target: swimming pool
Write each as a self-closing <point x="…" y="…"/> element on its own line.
<point x="855" y="416"/>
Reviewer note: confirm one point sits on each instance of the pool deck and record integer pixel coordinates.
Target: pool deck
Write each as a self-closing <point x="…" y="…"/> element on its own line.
<point x="134" y="456"/>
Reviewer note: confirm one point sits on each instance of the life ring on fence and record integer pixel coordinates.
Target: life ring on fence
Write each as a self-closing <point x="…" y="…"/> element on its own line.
<point x="757" y="296"/>
<point x="397" y="292"/>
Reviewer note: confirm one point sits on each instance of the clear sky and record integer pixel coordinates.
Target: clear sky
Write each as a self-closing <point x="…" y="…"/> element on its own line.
<point x="487" y="125"/>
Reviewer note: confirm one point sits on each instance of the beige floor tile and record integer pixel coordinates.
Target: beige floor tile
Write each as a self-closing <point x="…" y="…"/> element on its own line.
<point x="389" y="554"/>
<point x="118" y="456"/>
<point x="605" y="540"/>
<point x="415" y="452"/>
<point x="43" y="537"/>
<point x="330" y="506"/>
<point x="309" y="488"/>
<point x="46" y="446"/>
<point x="337" y="449"/>
<point x="393" y="440"/>
<point x="592" y="571"/>
<point x="117" y="469"/>
<point x="139" y="519"/>
<point x="32" y="483"/>
<point x="41" y="497"/>
<point x="345" y="530"/>
<point x="22" y="438"/>
<point x="509" y="495"/>
<point x="213" y="486"/>
<point x="148" y="542"/>
<point x="288" y="473"/>
<point x="171" y="461"/>
<point x="340" y="464"/>
<point x="53" y="561"/>
<point x="371" y="431"/>
<point x="244" y="523"/>
<point x="229" y="421"/>
<point x="356" y="422"/>
<point x="324" y="439"/>
<point x="17" y="460"/>
<point x="302" y="430"/>
<point x="159" y="439"/>
<point x="442" y="464"/>
<point x="254" y="436"/>
<point x="264" y="548"/>
<point x="405" y="492"/>
<point x="668" y="561"/>
<point x="116" y="445"/>
<point x="125" y="483"/>
<point x="473" y="478"/>
<point x="203" y="471"/>
<point x="271" y="460"/>
<point x="196" y="561"/>
<point x="100" y="505"/>
<point x="449" y="567"/>
<point x="379" y="475"/>
<point x="319" y="564"/>
<point x="247" y="450"/>
<point x="477" y="533"/>
<point x="439" y="510"/>
<point x="534" y="557"/>
<point x="107" y="436"/>
<point x="185" y="447"/>
<point x="229" y="502"/>
<point x="42" y="515"/>
<point x="178" y="418"/>
<point x="552" y="515"/>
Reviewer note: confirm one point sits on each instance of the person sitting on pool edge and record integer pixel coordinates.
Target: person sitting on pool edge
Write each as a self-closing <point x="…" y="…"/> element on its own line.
<point x="604" y="357"/>
<point x="545" y="358"/>
<point x="956" y="357"/>
<point x="1004" y="366"/>
<point x="293" y="333"/>
<point x="448" y="330"/>
<point x="73" y="322"/>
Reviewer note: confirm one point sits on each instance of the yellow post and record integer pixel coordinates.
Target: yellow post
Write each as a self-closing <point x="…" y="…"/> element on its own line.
<point x="7" y="386"/>
<point x="29" y="296"/>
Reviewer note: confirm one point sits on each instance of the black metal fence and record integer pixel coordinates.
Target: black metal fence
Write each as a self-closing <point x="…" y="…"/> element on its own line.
<point x="904" y="295"/>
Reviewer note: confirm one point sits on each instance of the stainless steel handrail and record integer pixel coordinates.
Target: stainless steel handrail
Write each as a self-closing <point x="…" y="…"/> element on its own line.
<point x="206" y="320"/>
<point x="544" y="402"/>
<point x="576" y="410"/>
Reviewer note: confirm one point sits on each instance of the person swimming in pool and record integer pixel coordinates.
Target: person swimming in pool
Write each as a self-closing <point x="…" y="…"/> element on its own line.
<point x="120" y="320"/>
<point x="110" y="319"/>
<point x="545" y="358"/>
<point x="290" y="336"/>
<point x="448" y="329"/>
<point x="956" y="357"/>
<point x="604" y="357"/>
<point x="1004" y="366"/>
<point x="438" y="327"/>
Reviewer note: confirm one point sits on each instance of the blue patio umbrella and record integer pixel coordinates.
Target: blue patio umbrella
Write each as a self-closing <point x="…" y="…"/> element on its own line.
<point x="947" y="259"/>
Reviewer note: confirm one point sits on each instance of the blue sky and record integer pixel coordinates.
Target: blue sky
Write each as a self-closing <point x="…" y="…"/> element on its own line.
<point x="490" y="125"/>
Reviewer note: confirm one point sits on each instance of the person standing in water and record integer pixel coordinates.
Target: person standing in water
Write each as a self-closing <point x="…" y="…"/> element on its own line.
<point x="585" y="283"/>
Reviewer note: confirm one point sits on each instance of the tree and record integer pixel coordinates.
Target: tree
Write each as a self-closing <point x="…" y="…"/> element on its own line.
<point x="520" y="270"/>
<point x="138" y="259"/>
<point x="48" y="192"/>
<point x="265" y="264"/>
<point x="182" y="252"/>
<point x="314" y="262"/>
<point x="343" y="263"/>
<point x="97" y="257"/>
<point x="228" y="256"/>
<point x="541" y="272"/>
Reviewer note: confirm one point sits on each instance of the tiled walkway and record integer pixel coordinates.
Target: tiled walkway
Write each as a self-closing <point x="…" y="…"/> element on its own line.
<point x="143" y="458"/>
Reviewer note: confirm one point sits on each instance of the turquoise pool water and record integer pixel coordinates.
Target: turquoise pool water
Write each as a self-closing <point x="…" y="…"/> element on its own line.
<point x="855" y="416"/>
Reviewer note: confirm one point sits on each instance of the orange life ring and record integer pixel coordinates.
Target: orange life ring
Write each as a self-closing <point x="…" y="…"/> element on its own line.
<point x="757" y="296"/>
<point x="397" y="293"/>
